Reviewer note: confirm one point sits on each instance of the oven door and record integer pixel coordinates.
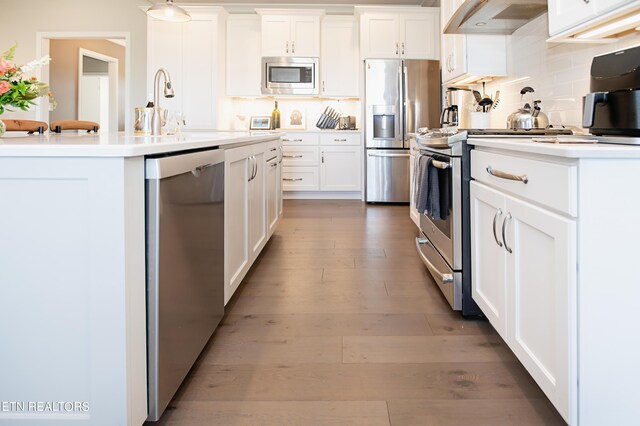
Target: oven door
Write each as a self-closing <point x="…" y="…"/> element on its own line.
<point x="290" y="76"/>
<point x="445" y="234"/>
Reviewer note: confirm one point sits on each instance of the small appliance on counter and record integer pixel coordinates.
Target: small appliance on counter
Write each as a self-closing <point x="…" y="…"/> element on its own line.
<point x="347" y="122"/>
<point x="613" y="106"/>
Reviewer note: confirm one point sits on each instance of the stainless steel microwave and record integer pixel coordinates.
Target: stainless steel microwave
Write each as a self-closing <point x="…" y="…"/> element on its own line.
<point x="289" y="76"/>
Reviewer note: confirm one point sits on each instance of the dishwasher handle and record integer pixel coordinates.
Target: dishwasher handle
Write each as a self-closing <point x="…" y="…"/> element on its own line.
<point x="173" y="165"/>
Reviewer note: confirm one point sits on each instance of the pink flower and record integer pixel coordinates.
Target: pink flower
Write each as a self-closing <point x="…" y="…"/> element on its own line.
<point x="5" y="66"/>
<point x="4" y="87"/>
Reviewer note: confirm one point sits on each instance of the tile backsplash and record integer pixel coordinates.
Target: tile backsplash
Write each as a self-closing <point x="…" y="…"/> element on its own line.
<point x="559" y="74"/>
<point x="311" y="109"/>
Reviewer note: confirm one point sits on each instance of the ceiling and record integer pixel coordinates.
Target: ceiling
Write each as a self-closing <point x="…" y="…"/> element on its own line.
<point x="424" y="3"/>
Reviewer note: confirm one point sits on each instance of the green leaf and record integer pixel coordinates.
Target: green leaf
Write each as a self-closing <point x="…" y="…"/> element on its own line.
<point x="8" y="55"/>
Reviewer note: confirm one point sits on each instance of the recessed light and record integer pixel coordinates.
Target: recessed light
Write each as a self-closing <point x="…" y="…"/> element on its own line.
<point x="480" y="24"/>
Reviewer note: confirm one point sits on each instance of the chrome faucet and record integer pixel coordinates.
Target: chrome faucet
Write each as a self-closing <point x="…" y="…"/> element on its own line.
<point x="158" y="119"/>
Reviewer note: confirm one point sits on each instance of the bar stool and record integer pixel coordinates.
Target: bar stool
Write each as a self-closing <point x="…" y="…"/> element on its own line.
<point x="60" y="125"/>
<point x="29" y="126"/>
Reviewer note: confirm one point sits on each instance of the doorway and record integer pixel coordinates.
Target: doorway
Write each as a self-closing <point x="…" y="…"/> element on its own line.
<point x="98" y="89"/>
<point x="89" y="76"/>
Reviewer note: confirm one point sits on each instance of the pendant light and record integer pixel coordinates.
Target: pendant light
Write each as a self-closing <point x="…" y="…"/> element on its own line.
<point x="168" y="12"/>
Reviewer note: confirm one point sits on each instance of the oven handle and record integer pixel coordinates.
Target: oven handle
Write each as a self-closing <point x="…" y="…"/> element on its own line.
<point x="389" y="155"/>
<point x="440" y="164"/>
<point x="444" y="278"/>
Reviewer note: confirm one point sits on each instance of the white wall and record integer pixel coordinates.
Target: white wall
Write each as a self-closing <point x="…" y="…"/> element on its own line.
<point x="559" y="73"/>
<point x="21" y="19"/>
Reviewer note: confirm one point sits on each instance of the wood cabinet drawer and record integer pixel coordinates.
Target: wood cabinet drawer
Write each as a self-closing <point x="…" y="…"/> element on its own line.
<point x="340" y="139"/>
<point x="300" y="179"/>
<point x="300" y="138"/>
<point x="300" y="156"/>
<point x="550" y="184"/>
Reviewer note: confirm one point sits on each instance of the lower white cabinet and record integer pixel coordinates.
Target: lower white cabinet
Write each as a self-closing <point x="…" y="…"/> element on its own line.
<point x="253" y="207"/>
<point x="524" y="280"/>
<point x="322" y="162"/>
<point x="340" y="168"/>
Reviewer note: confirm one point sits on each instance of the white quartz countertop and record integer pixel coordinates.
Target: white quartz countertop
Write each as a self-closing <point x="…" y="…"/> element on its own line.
<point x="567" y="150"/>
<point x="121" y="144"/>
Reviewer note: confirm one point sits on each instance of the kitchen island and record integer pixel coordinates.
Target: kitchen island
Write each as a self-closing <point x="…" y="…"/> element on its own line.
<point x="72" y="272"/>
<point x="554" y="229"/>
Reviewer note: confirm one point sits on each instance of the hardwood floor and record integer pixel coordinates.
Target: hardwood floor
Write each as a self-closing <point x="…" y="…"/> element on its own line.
<point x="339" y="323"/>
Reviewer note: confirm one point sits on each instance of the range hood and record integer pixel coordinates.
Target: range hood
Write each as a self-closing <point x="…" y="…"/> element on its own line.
<point x="493" y="16"/>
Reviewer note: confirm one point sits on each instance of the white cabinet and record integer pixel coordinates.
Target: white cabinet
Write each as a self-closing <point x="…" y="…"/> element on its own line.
<point x="339" y="57"/>
<point x="290" y="33"/>
<point x="244" y="55"/>
<point x="414" y="150"/>
<point x="524" y="261"/>
<point x="236" y="218"/>
<point x="190" y="52"/>
<point x="257" y="201"/>
<point x="568" y="18"/>
<point x="319" y="164"/>
<point x="564" y="14"/>
<point x="273" y="173"/>
<point x="253" y="206"/>
<point x="470" y="55"/>
<point x="489" y="282"/>
<point x="340" y="168"/>
<point x="400" y="33"/>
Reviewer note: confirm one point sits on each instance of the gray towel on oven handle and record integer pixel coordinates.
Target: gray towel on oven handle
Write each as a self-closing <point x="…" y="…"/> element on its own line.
<point x="422" y="184"/>
<point x="433" y="200"/>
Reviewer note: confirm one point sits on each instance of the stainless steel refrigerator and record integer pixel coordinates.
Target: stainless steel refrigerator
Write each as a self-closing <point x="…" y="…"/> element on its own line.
<point x="400" y="97"/>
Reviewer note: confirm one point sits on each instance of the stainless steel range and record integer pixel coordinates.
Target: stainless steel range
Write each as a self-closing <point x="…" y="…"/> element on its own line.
<point x="444" y="243"/>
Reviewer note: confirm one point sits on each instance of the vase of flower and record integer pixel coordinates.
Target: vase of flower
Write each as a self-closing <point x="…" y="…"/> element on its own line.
<point x="17" y="88"/>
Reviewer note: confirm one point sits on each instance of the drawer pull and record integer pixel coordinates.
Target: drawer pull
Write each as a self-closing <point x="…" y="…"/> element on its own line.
<point x="291" y="140"/>
<point x="508" y="176"/>
<point x="292" y="156"/>
<point x="495" y="219"/>
<point x="292" y="179"/>
<point x="339" y="140"/>
<point x="504" y="232"/>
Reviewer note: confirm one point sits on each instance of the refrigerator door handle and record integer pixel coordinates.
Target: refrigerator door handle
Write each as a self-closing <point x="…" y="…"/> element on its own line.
<point x="400" y="106"/>
<point x="405" y="92"/>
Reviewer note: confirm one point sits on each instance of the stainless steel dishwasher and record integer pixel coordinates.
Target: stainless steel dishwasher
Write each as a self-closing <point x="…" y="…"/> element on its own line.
<point x="185" y="266"/>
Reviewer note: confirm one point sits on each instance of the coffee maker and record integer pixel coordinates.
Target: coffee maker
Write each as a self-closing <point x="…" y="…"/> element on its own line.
<point x="450" y="114"/>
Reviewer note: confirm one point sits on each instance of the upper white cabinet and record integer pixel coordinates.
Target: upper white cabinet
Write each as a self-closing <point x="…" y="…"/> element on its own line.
<point x="411" y="33"/>
<point x="339" y="57"/>
<point x="471" y="56"/>
<point x="573" y="20"/>
<point x="243" y="55"/>
<point x="190" y="52"/>
<point x="290" y="32"/>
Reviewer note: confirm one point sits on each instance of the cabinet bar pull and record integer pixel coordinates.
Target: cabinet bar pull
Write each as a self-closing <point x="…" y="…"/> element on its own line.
<point x="339" y="140"/>
<point x="324" y="87"/>
<point x="292" y="179"/>
<point x="495" y="219"/>
<point x="291" y="140"/>
<point x="508" y="176"/>
<point x="292" y="156"/>
<point x="293" y="47"/>
<point x="397" y="49"/>
<point x="440" y="164"/>
<point x="504" y="232"/>
<point x="275" y="164"/>
<point x="287" y="46"/>
<point x="403" y="47"/>
<point x="323" y="157"/>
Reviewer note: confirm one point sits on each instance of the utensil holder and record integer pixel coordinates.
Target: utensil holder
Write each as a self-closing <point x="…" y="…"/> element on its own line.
<point x="480" y="120"/>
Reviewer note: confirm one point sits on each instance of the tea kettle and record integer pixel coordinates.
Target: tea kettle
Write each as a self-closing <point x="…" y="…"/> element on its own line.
<point x="528" y="117"/>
